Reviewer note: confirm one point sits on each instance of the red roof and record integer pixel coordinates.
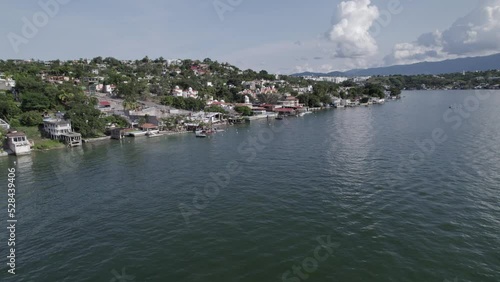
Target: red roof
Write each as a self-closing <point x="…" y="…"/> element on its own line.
<point x="148" y="126"/>
<point x="104" y="103"/>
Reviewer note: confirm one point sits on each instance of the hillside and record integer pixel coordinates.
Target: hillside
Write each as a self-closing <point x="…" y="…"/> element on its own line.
<point x="449" y="66"/>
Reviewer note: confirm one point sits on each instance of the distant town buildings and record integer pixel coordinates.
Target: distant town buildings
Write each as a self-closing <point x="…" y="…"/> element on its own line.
<point x="6" y="83"/>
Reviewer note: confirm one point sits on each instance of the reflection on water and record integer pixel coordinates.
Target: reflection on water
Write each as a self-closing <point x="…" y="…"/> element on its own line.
<point x="114" y="205"/>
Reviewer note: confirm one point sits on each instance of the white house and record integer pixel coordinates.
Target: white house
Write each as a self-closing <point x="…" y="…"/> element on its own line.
<point x="18" y="143"/>
<point x="6" y="83"/>
<point x="60" y="129"/>
<point x="189" y="93"/>
<point x="54" y="128"/>
<point x="290" y="102"/>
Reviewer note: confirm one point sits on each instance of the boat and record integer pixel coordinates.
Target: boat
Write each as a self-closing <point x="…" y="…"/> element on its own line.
<point x="140" y="133"/>
<point x="152" y="134"/>
<point x="201" y="134"/>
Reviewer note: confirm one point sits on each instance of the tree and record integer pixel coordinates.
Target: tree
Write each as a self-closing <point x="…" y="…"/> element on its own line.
<point x="374" y="90"/>
<point x="86" y="120"/>
<point x="97" y="60"/>
<point x="31" y="118"/>
<point x="119" y="121"/>
<point x="8" y="109"/>
<point x="243" y="110"/>
<point x="269" y="98"/>
<point x="35" y="102"/>
<point x="314" y="101"/>
<point x="395" y="91"/>
<point x="129" y="104"/>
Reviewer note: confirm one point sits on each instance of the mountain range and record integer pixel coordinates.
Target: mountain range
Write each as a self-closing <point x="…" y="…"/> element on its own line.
<point x="483" y="63"/>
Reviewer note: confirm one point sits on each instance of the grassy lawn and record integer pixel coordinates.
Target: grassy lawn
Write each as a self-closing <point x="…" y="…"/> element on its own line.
<point x="40" y="143"/>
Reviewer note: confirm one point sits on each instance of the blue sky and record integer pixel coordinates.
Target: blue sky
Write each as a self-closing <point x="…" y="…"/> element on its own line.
<point x="279" y="36"/>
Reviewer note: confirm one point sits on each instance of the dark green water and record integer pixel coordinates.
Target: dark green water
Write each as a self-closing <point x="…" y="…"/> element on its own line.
<point x="390" y="209"/>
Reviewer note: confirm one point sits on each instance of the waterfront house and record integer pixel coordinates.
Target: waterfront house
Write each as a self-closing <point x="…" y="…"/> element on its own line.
<point x="18" y="143"/>
<point x="54" y="128"/>
<point x="60" y="129"/>
<point x="148" y="127"/>
<point x="285" y="111"/>
<point x="290" y="102"/>
<point x="118" y="133"/>
<point x="259" y="111"/>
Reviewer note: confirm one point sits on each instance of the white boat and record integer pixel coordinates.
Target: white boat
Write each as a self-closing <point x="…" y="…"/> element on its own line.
<point x="201" y="133"/>
<point x="137" y="133"/>
<point x="152" y="134"/>
<point x="140" y="133"/>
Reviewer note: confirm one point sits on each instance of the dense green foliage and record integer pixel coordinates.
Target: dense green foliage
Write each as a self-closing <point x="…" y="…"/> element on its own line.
<point x="190" y="104"/>
<point x="85" y="118"/>
<point x="243" y="110"/>
<point x="32" y="118"/>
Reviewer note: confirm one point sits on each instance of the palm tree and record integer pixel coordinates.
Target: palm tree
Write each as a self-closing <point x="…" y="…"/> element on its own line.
<point x="129" y="105"/>
<point x="65" y="96"/>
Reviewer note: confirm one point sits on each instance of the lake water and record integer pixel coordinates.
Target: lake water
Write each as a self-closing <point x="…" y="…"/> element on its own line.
<point x="406" y="191"/>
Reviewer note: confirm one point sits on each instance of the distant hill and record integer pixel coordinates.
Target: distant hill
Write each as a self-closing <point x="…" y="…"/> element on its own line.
<point x="449" y="66"/>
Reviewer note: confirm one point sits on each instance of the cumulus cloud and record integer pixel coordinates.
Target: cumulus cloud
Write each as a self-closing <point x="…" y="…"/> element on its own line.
<point x="478" y="33"/>
<point x="350" y="32"/>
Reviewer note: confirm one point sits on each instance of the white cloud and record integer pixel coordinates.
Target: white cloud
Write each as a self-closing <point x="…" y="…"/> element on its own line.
<point x="351" y="33"/>
<point x="478" y="33"/>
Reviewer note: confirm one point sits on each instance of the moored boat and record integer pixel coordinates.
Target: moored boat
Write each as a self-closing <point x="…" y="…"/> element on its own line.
<point x="152" y="134"/>
<point x="201" y="134"/>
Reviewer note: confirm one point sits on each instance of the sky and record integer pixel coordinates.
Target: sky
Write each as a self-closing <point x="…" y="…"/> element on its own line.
<point x="278" y="36"/>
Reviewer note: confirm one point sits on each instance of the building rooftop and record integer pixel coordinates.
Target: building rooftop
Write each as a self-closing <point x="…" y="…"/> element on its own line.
<point x="71" y="134"/>
<point x="148" y="126"/>
<point x="15" y="134"/>
<point x="56" y="121"/>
